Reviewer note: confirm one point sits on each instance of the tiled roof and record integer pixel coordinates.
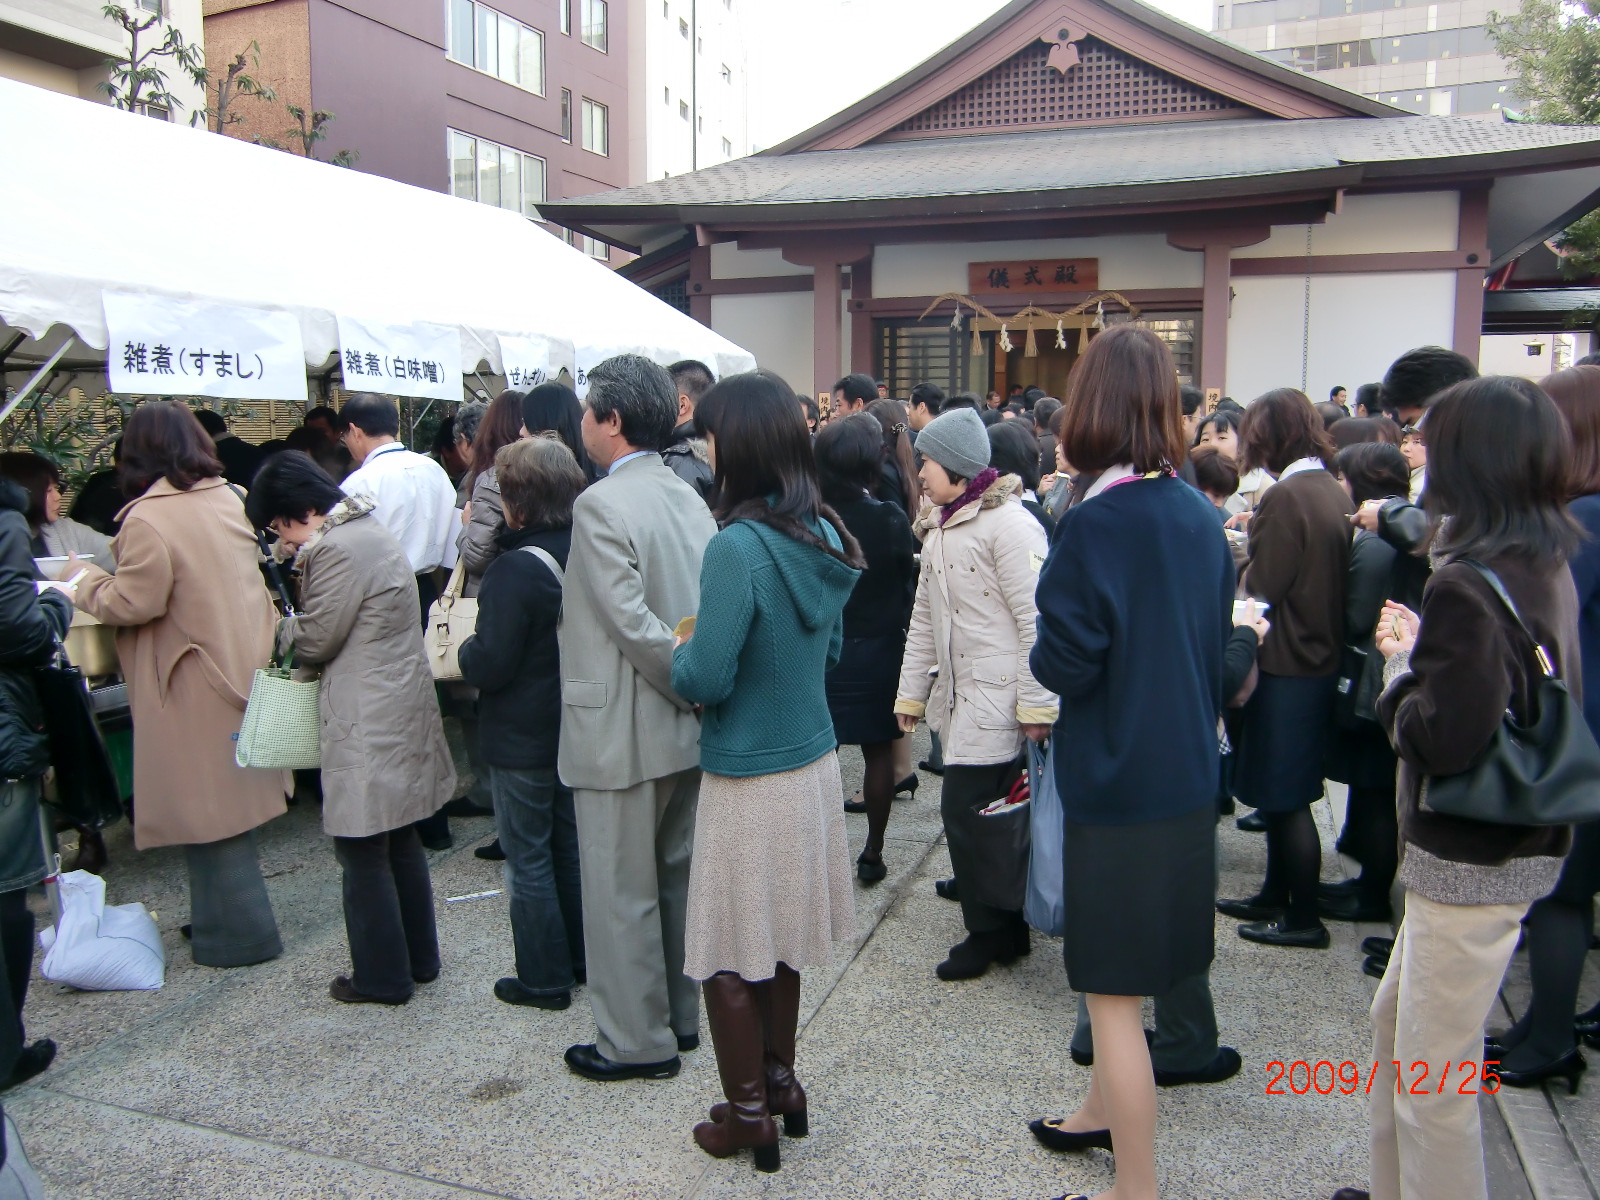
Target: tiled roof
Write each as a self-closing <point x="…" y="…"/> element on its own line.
<point x="1119" y="160"/>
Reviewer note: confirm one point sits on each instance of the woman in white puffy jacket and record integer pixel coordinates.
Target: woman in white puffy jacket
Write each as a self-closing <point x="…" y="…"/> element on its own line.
<point x="966" y="662"/>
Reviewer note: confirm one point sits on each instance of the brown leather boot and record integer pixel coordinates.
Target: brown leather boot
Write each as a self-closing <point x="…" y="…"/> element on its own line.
<point x="779" y="1000"/>
<point x="736" y="1035"/>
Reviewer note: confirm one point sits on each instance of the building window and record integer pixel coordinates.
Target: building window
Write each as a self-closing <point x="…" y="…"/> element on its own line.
<point x="490" y="173"/>
<point x="566" y="115"/>
<point x="565" y="7"/>
<point x="594" y="24"/>
<point x="595" y="133"/>
<point x="151" y="6"/>
<point x="593" y="247"/>
<point x="727" y="73"/>
<point x="683" y="109"/>
<point x="497" y="45"/>
<point x="727" y="148"/>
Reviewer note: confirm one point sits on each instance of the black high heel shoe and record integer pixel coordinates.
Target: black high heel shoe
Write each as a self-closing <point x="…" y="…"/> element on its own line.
<point x="909" y="784"/>
<point x="1569" y="1066"/>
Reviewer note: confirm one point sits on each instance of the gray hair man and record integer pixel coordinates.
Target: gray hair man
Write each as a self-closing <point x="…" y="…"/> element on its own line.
<point x="630" y="745"/>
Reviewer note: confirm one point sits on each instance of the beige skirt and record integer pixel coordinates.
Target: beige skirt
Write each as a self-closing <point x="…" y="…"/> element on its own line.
<point x="771" y="878"/>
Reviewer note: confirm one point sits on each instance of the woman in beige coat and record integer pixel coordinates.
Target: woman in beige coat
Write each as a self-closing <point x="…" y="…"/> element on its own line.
<point x="385" y="764"/>
<point x="966" y="662"/>
<point x="193" y="624"/>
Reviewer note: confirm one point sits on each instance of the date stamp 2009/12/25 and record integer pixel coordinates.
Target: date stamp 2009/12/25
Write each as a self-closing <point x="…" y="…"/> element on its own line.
<point x="1325" y="1078"/>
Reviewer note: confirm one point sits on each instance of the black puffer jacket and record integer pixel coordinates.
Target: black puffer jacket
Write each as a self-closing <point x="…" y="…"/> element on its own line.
<point x="29" y="626"/>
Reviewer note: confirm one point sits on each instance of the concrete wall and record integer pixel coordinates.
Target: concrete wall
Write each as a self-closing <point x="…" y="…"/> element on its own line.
<point x="776" y="328"/>
<point x="1507" y="353"/>
<point x="1129" y="261"/>
<point x="730" y="262"/>
<point x="1359" y="324"/>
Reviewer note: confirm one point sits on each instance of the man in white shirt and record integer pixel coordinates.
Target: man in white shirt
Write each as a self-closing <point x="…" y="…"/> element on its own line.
<point x="415" y="500"/>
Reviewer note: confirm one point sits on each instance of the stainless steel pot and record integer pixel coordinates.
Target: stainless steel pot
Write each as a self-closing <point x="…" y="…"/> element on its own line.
<point x="92" y="647"/>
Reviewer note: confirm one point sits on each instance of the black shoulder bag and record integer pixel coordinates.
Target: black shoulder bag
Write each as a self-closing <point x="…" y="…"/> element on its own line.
<point x="86" y="791"/>
<point x="1543" y="773"/>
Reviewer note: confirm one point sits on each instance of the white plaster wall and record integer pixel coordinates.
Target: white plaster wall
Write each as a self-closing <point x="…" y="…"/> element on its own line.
<point x="1507" y="353"/>
<point x="730" y="262"/>
<point x="1126" y="263"/>
<point x="1403" y="223"/>
<point x="1359" y="325"/>
<point x="775" y="327"/>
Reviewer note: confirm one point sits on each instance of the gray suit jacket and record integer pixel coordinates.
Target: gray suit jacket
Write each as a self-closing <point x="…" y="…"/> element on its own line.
<point x="637" y="539"/>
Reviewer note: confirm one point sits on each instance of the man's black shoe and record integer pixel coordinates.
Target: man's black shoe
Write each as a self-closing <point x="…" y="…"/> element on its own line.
<point x="1224" y="1066"/>
<point x="587" y="1061"/>
<point x="466" y="806"/>
<point x="688" y="1043"/>
<point x="32" y="1061"/>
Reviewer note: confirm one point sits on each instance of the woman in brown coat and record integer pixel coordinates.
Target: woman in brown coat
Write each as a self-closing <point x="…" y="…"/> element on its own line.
<point x="193" y="623"/>
<point x="385" y="764"/>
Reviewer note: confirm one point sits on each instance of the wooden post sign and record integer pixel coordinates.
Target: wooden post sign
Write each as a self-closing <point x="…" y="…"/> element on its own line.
<point x="1034" y="275"/>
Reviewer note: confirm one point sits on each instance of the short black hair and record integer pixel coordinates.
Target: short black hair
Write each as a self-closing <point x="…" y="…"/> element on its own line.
<point x="1032" y="396"/>
<point x="692" y="378"/>
<point x="1335" y="390"/>
<point x="1588" y="360"/>
<point x="1374" y="471"/>
<point x="990" y="416"/>
<point x="321" y="413"/>
<point x="1367" y="396"/>
<point x="1044" y="410"/>
<point x="763" y="447"/>
<point x="374" y="415"/>
<point x="1419" y="375"/>
<point x="1229" y="404"/>
<point x="963" y="400"/>
<point x="858" y="387"/>
<point x="640" y="392"/>
<point x="1215" y="473"/>
<point x="1190" y="398"/>
<point x="1499" y="467"/>
<point x="850" y="454"/>
<point x="1331" y="414"/>
<point x="929" y="395"/>
<point x="1014" y="450"/>
<point x="211" y="421"/>
<point x="289" y="486"/>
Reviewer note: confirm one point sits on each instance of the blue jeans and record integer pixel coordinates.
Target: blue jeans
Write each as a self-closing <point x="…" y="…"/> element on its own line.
<point x="539" y="833"/>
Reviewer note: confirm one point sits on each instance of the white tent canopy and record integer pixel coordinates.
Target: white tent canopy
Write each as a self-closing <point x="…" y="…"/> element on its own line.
<point x="97" y="200"/>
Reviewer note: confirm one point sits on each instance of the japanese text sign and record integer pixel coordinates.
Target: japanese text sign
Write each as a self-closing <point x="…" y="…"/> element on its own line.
<point x="1036" y="275"/>
<point x="401" y="360"/>
<point x="586" y="359"/>
<point x="163" y="346"/>
<point x="525" y="361"/>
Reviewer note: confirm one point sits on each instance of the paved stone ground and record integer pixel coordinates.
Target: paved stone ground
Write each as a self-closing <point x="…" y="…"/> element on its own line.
<point x="252" y="1083"/>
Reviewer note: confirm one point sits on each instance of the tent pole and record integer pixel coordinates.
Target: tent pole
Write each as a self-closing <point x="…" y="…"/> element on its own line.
<point x="27" y="388"/>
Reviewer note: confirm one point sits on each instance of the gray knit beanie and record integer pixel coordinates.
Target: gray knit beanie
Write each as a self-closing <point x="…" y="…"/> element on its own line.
<point x="957" y="441"/>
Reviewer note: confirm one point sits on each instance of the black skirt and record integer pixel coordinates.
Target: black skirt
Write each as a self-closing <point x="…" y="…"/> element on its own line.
<point x="861" y="689"/>
<point x="1282" y="742"/>
<point x="1139" y="903"/>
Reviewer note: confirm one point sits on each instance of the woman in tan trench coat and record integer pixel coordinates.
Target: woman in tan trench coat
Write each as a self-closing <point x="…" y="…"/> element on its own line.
<point x="385" y="764"/>
<point x="193" y="623"/>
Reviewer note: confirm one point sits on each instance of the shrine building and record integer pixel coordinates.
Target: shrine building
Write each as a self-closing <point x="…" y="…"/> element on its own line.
<point x="1069" y="162"/>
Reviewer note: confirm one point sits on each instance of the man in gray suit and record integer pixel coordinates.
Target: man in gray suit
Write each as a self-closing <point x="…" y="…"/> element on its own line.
<point x="630" y="746"/>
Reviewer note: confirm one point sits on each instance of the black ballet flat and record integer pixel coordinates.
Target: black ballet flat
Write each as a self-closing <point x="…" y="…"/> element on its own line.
<point x="1570" y="1066"/>
<point x="1052" y="1137"/>
<point x="1252" y="822"/>
<point x="855" y="806"/>
<point x="870" y="872"/>
<point x="909" y="784"/>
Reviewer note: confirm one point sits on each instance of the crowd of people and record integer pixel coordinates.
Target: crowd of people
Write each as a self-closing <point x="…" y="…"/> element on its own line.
<point x="690" y="592"/>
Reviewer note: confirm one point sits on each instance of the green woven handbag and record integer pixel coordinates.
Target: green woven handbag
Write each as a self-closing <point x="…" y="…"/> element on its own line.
<point x="282" y="721"/>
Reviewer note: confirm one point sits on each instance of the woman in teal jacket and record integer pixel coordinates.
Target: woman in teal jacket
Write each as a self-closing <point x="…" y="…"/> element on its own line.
<point x="769" y="889"/>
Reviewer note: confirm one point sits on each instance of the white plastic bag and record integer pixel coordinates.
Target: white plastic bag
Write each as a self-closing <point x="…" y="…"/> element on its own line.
<point x="100" y="949"/>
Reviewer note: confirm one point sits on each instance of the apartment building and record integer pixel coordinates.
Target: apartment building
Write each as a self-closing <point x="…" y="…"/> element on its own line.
<point x="62" y="45"/>
<point x="505" y="102"/>
<point x="691" y="96"/>
<point x="1433" y="58"/>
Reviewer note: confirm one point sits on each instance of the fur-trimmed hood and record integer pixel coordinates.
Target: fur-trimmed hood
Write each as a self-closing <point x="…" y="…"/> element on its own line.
<point x="997" y="493"/>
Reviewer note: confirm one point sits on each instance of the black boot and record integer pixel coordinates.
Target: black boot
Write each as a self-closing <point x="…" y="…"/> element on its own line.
<point x="972" y="957"/>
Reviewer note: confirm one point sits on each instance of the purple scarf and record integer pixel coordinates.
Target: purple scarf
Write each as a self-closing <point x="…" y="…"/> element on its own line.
<point x="975" y="490"/>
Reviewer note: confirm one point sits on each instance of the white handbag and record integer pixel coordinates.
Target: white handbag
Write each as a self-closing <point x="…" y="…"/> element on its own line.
<point x="452" y="619"/>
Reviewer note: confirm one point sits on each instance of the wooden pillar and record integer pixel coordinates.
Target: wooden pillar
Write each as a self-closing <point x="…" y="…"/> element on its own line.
<point x="699" y="276"/>
<point x="1473" y="237"/>
<point x="862" y="350"/>
<point x="1217" y="245"/>
<point x="827" y="259"/>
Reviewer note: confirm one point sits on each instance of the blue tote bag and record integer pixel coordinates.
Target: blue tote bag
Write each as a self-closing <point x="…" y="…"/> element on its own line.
<point x="1045" y="905"/>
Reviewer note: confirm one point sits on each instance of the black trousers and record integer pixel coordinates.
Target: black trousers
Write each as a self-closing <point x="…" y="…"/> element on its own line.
<point x="388" y="912"/>
<point x="16" y="946"/>
<point x="964" y="788"/>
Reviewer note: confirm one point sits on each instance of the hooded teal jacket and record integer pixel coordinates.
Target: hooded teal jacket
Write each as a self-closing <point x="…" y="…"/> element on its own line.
<point x="770" y="627"/>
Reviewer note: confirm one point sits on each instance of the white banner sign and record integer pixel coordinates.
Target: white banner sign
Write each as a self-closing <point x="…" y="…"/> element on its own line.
<point x="525" y="361"/>
<point x="586" y="359"/>
<point x="400" y="360"/>
<point x="163" y="346"/>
